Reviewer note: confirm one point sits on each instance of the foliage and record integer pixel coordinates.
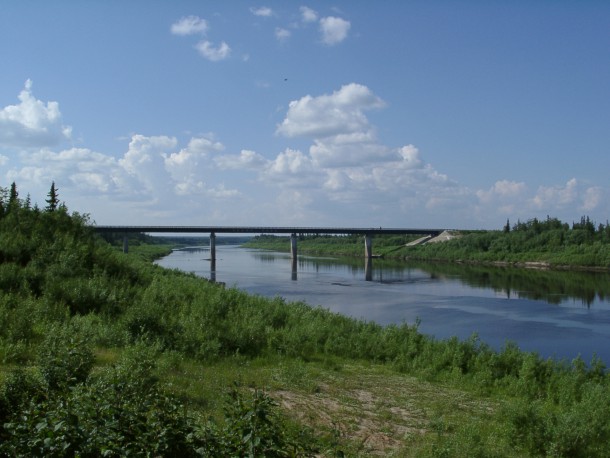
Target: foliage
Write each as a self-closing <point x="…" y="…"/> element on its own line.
<point x="65" y="294"/>
<point x="549" y="241"/>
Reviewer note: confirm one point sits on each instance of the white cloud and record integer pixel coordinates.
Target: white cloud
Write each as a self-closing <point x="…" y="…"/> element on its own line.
<point x="282" y="34"/>
<point x="207" y="50"/>
<point x="342" y="133"/>
<point x="334" y="30"/>
<point x="84" y="169"/>
<point x="262" y="11"/>
<point x="187" y="167"/>
<point x="189" y="25"/>
<point x="308" y="15"/>
<point x="291" y="162"/>
<point x="410" y="157"/>
<point x="144" y="161"/>
<point x="556" y="196"/>
<point x="32" y="123"/>
<point x="3" y="160"/>
<point x="342" y="112"/>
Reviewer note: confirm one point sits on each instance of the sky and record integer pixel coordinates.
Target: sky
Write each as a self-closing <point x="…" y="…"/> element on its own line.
<point x="430" y="114"/>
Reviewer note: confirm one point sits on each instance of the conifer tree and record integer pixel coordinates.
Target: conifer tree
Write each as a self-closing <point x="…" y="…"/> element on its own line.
<point x="13" y="195"/>
<point x="53" y="200"/>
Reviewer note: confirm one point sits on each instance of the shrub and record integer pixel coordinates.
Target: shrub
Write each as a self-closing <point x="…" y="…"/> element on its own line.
<point x="65" y="357"/>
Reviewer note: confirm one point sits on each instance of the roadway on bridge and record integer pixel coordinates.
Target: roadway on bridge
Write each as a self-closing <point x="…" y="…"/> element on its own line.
<point x="264" y="230"/>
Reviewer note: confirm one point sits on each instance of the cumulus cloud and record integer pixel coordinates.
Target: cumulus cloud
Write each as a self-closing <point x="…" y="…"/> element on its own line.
<point x="341" y="132"/>
<point x="89" y="171"/>
<point x="291" y="162"/>
<point x="186" y="167"/>
<point x="189" y="25"/>
<point x="144" y="161"/>
<point x="214" y="54"/>
<point x="341" y="112"/>
<point x="32" y="123"/>
<point x="308" y="15"/>
<point x="334" y="30"/>
<point x="262" y="11"/>
<point x="194" y="25"/>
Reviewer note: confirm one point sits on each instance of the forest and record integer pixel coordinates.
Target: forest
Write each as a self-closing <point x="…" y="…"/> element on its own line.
<point x="105" y="354"/>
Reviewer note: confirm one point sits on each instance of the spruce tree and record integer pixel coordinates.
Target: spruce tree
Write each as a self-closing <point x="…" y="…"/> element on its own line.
<point x="53" y="200"/>
<point x="13" y="195"/>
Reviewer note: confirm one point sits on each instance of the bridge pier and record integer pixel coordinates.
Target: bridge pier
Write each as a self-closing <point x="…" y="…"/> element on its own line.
<point x="213" y="247"/>
<point x="125" y="244"/>
<point x="368" y="246"/>
<point x="293" y="246"/>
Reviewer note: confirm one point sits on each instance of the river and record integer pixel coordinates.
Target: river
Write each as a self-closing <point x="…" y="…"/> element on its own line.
<point x="556" y="314"/>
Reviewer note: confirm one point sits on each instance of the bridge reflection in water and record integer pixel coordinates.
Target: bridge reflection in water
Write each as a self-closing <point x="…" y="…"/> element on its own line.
<point x="368" y="234"/>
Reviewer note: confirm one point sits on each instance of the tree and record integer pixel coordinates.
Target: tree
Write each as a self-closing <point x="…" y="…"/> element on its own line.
<point x="53" y="200"/>
<point x="507" y="226"/>
<point x="13" y="197"/>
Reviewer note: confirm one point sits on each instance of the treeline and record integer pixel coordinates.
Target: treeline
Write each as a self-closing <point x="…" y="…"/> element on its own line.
<point x="68" y="300"/>
<point x="550" y="241"/>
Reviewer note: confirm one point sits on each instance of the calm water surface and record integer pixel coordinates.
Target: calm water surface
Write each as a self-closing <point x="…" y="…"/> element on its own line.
<point x="557" y="314"/>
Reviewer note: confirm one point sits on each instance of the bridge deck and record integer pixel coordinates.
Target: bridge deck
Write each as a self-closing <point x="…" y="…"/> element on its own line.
<point x="263" y="230"/>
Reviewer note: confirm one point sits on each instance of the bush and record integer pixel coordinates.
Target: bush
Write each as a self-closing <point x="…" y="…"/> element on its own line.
<point x="65" y="357"/>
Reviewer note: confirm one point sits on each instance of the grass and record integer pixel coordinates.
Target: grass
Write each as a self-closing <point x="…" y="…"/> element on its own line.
<point x="359" y="408"/>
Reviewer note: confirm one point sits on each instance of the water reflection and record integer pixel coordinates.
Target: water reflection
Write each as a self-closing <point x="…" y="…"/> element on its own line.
<point x="551" y="286"/>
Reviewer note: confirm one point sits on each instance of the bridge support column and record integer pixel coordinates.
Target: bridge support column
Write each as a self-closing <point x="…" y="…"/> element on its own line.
<point x="213" y="247"/>
<point x="368" y="246"/>
<point x="293" y="246"/>
<point x="125" y="244"/>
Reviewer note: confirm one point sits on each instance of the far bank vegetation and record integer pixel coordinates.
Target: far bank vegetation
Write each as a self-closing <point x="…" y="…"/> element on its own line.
<point x="537" y="243"/>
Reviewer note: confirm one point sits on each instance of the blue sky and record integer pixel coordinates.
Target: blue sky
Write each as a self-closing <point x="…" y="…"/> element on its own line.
<point x="347" y="113"/>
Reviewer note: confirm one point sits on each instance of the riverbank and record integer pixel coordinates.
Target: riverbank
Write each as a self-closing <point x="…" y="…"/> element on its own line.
<point x="104" y="353"/>
<point x="535" y="245"/>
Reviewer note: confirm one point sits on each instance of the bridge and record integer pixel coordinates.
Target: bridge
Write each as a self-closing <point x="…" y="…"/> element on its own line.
<point x="368" y="233"/>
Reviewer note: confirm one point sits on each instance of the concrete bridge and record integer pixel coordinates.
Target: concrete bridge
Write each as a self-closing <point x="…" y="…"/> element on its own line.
<point x="368" y="233"/>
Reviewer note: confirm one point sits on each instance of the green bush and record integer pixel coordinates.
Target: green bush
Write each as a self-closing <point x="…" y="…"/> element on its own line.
<point x="65" y="357"/>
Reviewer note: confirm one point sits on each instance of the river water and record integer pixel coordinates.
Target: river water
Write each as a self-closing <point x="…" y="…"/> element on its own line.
<point x="556" y="314"/>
